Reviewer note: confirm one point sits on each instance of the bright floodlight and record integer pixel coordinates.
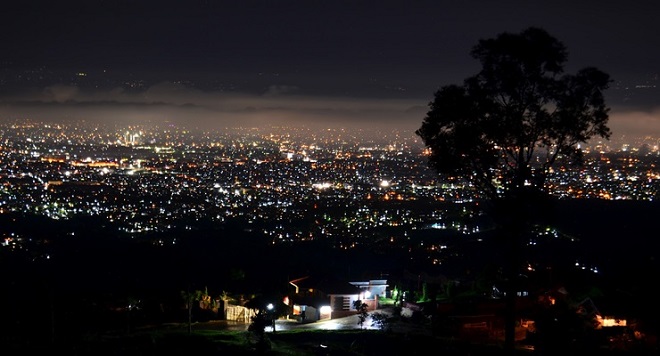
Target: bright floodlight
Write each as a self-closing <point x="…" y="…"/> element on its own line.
<point x="270" y="306"/>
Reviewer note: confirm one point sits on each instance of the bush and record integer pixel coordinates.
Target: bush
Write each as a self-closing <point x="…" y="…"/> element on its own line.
<point x="381" y="321"/>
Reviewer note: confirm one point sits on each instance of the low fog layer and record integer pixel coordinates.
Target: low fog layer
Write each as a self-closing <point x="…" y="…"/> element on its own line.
<point x="280" y="105"/>
<point x="169" y="102"/>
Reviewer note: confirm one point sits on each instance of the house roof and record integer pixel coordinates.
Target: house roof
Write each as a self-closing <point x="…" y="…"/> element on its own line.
<point x="314" y="301"/>
<point x="325" y="285"/>
<point x="371" y="283"/>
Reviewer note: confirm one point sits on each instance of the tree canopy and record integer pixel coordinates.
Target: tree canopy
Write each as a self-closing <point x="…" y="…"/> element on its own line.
<point x="504" y="127"/>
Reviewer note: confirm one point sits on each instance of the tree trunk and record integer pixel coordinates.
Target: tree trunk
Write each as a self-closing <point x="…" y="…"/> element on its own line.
<point x="190" y="317"/>
<point x="510" y="311"/>
<point x="52" y="315"/>
<point x="516" y="219"/>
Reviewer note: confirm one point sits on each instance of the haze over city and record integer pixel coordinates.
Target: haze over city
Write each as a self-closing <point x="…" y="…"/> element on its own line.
<point x="220" y="64"/>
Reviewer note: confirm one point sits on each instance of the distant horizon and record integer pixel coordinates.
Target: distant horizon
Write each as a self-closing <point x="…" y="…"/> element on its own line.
<point x="367" y="131"/>
<point x="335" y="63"/>
<point x="184" y="104"/>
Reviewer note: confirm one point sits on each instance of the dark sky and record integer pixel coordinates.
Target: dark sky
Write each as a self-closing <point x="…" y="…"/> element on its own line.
<point x="230" y="63"/>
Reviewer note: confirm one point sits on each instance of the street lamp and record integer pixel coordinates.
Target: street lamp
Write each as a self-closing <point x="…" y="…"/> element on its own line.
<point x="271" y="314"/>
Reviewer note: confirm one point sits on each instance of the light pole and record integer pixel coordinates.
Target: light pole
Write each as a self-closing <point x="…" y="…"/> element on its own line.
<point x="271" y="314"/>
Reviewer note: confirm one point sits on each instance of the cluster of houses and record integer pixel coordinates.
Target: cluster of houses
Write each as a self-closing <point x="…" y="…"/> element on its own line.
<point x="314" y="299"/>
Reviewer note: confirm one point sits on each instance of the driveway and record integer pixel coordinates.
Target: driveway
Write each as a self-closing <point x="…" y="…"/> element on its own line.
<point x="345" y="323"/>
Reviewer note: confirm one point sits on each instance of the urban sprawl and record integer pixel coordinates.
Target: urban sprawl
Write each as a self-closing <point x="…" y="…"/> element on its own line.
<point x="289" y="184"/>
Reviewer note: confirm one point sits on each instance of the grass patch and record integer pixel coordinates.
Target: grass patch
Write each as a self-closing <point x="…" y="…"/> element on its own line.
<point x="281" y="343"/>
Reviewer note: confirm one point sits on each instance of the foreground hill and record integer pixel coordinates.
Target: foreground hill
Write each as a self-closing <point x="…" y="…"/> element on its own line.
<point x="292" y="343"/>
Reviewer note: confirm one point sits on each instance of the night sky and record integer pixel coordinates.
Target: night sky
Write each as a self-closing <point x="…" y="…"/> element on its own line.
<point x="330" y="63"/>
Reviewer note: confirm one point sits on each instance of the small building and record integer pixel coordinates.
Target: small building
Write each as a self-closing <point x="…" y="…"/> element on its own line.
<point x="326" y="298"/>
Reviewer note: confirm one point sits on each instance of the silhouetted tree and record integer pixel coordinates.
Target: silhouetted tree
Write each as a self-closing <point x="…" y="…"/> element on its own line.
<point x="267" y="308"/>
<point x="270" y="307"/>
<point x="190" y="297"/>
<point x="362" y="309"/>
<point x="260" y="321"/>
<point x="382" y="321"/>
<point x="131" y="304"/>
<point x="506" y="126"/>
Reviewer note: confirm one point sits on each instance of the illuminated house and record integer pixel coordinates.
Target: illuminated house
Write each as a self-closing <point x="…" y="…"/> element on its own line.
<point x="602" y="320"/>
<point x="325" y="298"/>
<point x="371" y="290"/>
